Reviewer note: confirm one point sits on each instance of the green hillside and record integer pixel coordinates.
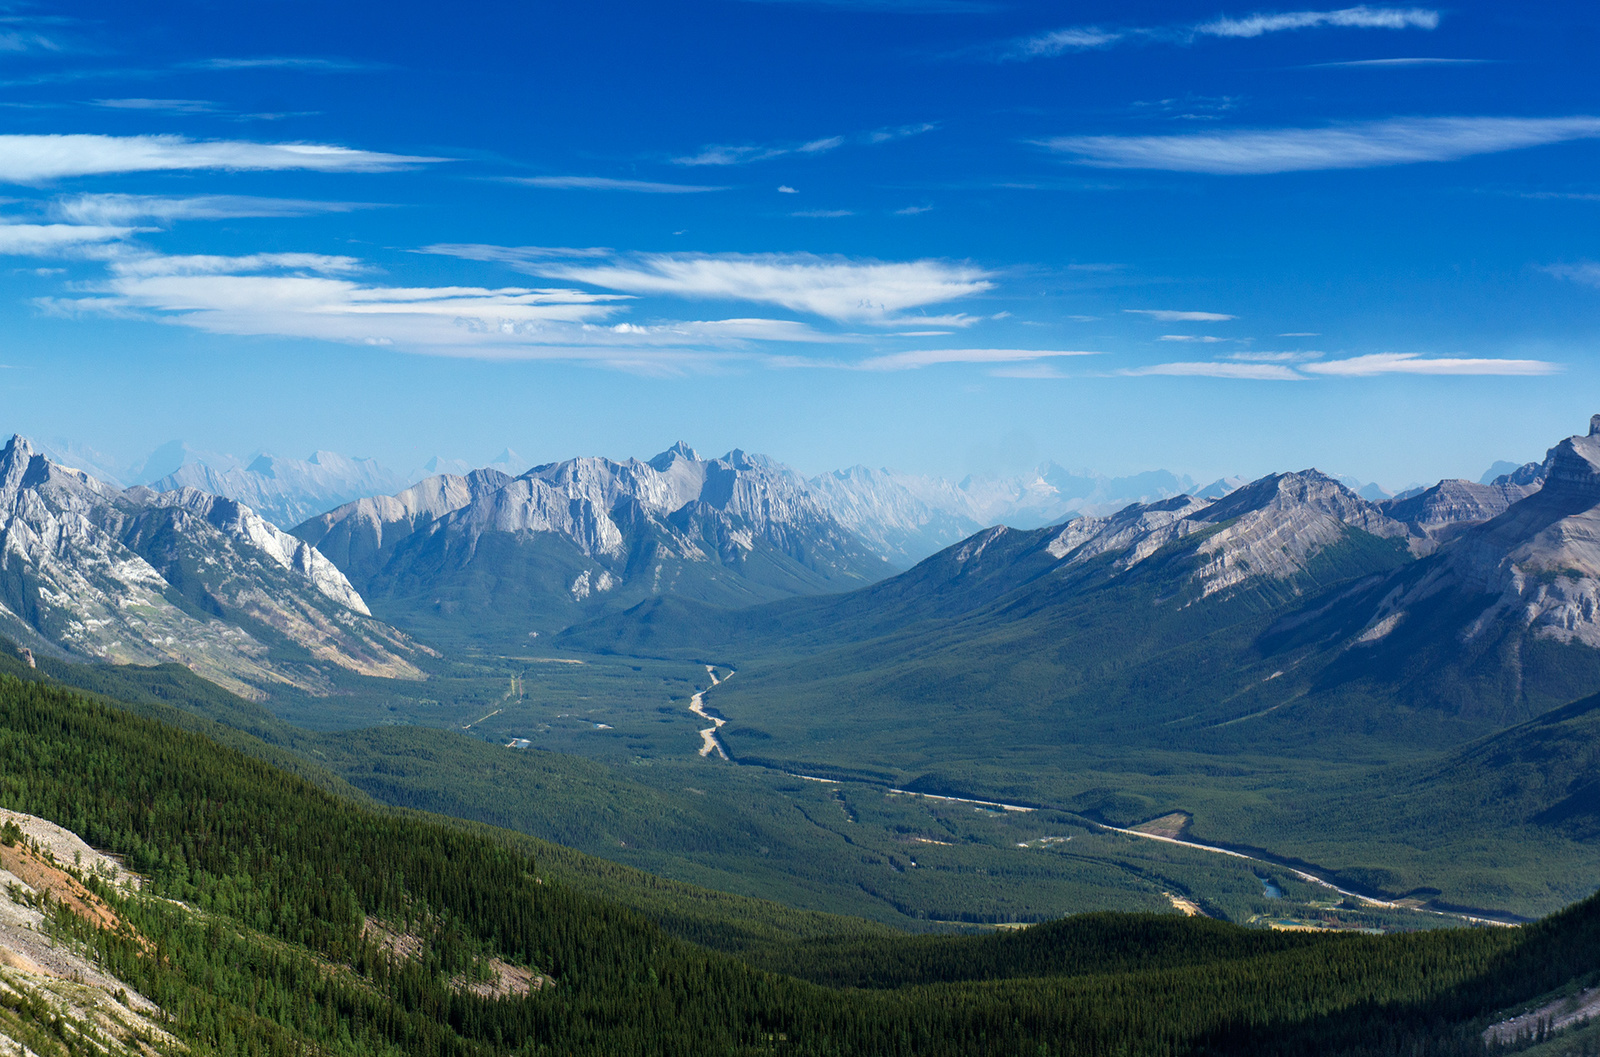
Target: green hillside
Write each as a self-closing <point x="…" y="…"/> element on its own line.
<point x="272" y="946"/>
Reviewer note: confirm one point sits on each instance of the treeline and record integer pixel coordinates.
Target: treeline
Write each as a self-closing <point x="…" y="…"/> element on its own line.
<point x="275" y="959"/>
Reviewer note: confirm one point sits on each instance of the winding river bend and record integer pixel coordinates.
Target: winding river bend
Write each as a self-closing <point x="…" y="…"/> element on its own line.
<point x="709" y="743"/>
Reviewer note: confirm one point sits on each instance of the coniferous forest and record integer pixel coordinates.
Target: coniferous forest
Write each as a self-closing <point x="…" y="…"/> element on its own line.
<point x="269" y="919"/>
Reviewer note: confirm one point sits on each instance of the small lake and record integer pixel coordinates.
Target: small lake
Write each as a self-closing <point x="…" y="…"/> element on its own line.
<point x="1270" y="889"/>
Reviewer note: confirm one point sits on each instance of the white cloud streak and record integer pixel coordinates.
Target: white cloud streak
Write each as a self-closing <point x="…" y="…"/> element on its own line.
<point x="835" y="288"/>
<point x="523" y="258"/>
<point x="1402" y="62"/>
<point x="127" y="209"/>
<point x="606" y="183"/>
<point x="15" y="41"/>
<point x="1251" y="371"/>
<point x="1362" y="17"/>
<point x="168" y="106"/>
<point x="1094" y="38"/>
<point x="1367" y="366"/>
<point x="1412" y="363"/>
<point x="322" y="297"/>
<point x="28" y="159"/>
<point x="43" y="240"/>
<point x="1585" y="272"/>
<point x="1168" y="315"/>
<point x="746" y="154"/>
<point x="286" y="62"/>
<point x="918" y="358"/>
<point x="1360" y="146"/>
<point x="209" y="264"/>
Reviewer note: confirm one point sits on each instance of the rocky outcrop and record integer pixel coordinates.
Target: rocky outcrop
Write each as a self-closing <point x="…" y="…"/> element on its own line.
<point x="356" y="536"/>
<point x="1538" y="560"/>
<point x="1451" y="506"/>
<point x="140" y="576"/>
<point x="563" y="537"/>
<point x="1270" y="528"/>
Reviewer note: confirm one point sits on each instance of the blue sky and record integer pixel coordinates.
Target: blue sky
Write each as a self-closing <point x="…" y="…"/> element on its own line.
<point x="947" y="236"/>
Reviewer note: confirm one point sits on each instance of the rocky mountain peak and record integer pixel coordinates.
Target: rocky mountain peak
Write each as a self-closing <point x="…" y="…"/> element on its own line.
<point x="679" y="450"/>
<point x="1272" y="527"/>
<point x="1539" y="559"/>
<point x="1572" y="471"/>
<point x="14" y="462"/>
<point x="147" y="576"/>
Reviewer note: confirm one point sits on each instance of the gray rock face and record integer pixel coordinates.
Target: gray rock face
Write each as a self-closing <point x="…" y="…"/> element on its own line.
<point x="287" y="491"/>
<point x="355" y="535"/>
<point x="1270" y="528"/>
<point x="592" y="531"/>
<point x="143" y="576"/>
<point x="1538" y="560"/>
<point x="1451" y="506"/>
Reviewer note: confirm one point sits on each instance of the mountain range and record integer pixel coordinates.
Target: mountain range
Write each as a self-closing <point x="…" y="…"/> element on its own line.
<point x="140" y="576"/>
<point x="901" y="517"/>
<point x="513" y="557"/>
<point x="1287" y="611"/>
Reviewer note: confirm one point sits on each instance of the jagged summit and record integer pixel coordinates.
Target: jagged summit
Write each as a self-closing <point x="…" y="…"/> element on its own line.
<point x="679" y="450"/>
<point x="145" y="576"/>
<point x="1537" y="563"/>
<point x="564" y="537"/>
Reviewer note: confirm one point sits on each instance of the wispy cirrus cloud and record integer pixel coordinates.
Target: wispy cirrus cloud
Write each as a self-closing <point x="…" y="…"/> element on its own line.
<point x="1092" y="38"/>
<point x="163" y="209"/>
<point x="1359" y="17"/>
<point x="47" y="240"/>
<point x="28" y="159"/>
<point x="746" y="154"/>
<point x="523" y="258"/>
<point x="916" y="359"/>
<point x="1216" y="369"/>
<point x="1204" y="338"/>
<point x="836" y="288"/>
<point x="1401" y="62"/>
<point x="18" y="41"/>
<point x="1367" y="366"/>
<point x="286" y="62"/>
<point x="607" y="183"/>
<point x="1585" y="272"/>
<point x="146" y="265"/>
<point x="1168" y="315"/>
<point x="166" y="106"/>
<point x="1413" y="363"/>
<point x="1355" y="146"/>
<point x="324" y="298"/>
<point x="1274" y="357"/>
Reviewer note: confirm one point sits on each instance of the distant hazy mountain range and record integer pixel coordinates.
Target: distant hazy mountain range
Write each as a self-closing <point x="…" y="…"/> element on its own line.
<point x="901" y="517"/>
<point x="490" y="555"/>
